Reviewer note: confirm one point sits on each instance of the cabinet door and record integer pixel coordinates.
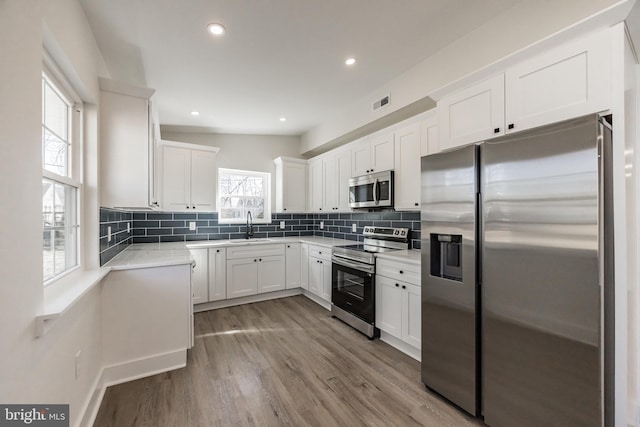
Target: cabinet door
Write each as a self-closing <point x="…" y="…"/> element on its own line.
<point x="200" y="276"/>
<point x="429" y="137"/>
<point x="329" y="196"/>
<point x="315" y="276"/>
<point x="389" y="306"/>
<point x="343" y="174"/>
<point x="326" y="280"/>
<point x="124" y="150"/>
<point x="203" y="180"/>
<point x="292" y="266"/>
<point x="217" y="274"/>
<point x="176" y="177"/>
<point x="304" y="266"/>
<point x="411" y="315"/>
<point x="569" y="81"/>
<point x="315" y="185"/>
<point x="382" y="152"/>
<point x="294" y="187"/>
<point x="271" y="273"/>
<point x="407" y="168"/>
<point x="473" y="114"/>
<point x="361" y="157"/>
<point x="242" y="277"/>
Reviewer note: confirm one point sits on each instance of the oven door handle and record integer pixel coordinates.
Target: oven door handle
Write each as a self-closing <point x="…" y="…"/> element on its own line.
<point x="356" y="266"/>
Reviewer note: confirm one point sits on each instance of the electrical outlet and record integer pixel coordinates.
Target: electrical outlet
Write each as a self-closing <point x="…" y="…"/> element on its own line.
<point x="128" y="227"/>
<point x="353" y="228"/>
<point x="108" y="233"/>
<point x="282" y="225"/>
<point x="77" y="364"/>
<point x="321" y="225"/>
<point x="192" y="225"/>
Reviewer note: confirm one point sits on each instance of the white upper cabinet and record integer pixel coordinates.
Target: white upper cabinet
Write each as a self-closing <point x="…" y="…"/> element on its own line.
<point x="336" y="170"/>
<point x="188" y="177"/>
<point x="127" y="146"/>
<point x="291" y="184"/>
<point x="429" y="135"/>
<point x="407" y="167"/>
<point x="315" y="185"/>
<point x="472" y="114"/>
<point x="374" y="153"/>
<point x="568" y="81"/>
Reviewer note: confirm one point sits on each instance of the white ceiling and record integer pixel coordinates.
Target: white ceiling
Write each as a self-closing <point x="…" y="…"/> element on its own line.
<point x="278" y="57"/>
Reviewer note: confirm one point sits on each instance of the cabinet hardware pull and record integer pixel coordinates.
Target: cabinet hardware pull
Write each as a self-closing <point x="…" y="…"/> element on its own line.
<point x="255" y="260"/>
<point x="496" y="130"/>
<point x="404" y="287"/>
<point x="218" y="250"/>
<point x="193" y="207"/>
<point x="187" y="207"/>
<point x="260" y="259"/>
<point x="511" y="126"/>
<point x="416" y="204"/>
<point x="401" y="272"/>
<point x="397" y="285"/>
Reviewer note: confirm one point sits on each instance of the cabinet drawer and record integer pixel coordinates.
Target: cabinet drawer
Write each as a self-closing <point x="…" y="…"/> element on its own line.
<point x="409" y="273"/>
<point x="320" y="252"/>
<point x="249" y="251"/>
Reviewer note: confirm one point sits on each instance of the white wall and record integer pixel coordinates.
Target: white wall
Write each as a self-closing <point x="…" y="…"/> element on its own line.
<point x="476" y="50"/>
<point x="42" y="370"/>
<point x="246" y="152"/>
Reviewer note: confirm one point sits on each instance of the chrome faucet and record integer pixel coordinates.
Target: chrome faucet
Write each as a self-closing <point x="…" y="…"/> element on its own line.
<point x="249" y="225"/>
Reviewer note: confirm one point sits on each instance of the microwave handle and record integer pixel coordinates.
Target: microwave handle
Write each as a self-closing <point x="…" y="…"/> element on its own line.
<point x="375" y="191"/>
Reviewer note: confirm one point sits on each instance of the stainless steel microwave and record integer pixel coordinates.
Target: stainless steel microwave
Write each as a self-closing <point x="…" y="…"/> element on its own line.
<point x="373" y="190"/>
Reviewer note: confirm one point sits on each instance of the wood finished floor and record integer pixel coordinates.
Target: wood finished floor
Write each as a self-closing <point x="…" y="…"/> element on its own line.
<point x="276" y="363"/>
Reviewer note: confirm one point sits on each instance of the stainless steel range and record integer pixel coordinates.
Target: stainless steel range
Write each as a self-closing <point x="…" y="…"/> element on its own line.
<point x="353" y="277"/>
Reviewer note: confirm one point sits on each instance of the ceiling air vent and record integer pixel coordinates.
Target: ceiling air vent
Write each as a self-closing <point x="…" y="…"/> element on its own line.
<point x="381" y="103"/>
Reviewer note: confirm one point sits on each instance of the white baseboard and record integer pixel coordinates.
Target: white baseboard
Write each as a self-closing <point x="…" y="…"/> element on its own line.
<point x="407" y="349"/>
<point x="321" y="302"/>
<point x="245" y="300"/>
<point x="128" y="371"/>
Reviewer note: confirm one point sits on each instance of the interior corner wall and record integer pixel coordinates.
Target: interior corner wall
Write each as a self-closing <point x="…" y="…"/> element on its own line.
<point x="505" y="34"/>
<point x="245" y="152"/>
<point x="41" y="370"/>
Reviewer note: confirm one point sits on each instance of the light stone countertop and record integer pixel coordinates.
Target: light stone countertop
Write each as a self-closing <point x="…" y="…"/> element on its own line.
<point x="147" y="255"/>
<point x="410" y="256"/>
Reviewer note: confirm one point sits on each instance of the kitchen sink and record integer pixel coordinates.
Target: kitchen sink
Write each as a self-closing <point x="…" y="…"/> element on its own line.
<point x="249" y="241"/>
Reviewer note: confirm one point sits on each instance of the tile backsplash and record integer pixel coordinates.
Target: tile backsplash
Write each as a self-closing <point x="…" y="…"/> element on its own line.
<point x="118" y="220"/>
<point x="155" y="227"/>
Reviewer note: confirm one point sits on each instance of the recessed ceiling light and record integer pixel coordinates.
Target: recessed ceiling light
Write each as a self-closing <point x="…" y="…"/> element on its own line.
<point x="195" y="113"/>
<point x="283" y="119"/>
<point x="350" y="61"/>
<point x="216" y="29"/>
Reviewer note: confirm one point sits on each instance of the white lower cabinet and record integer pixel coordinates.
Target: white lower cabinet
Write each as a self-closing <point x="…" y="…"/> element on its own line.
<point x="293" y="266"/>
<point x="320" y="272"/>
<point x="255" y="269"/>
<point x="304" y="266"/>
<point x="208" y="279"/>
<point x="217" y="274"/>
<point x="398" y="302"/>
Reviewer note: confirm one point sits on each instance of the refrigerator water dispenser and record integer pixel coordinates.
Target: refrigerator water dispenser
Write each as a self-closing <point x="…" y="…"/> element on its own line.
<point x="446" y="256"/>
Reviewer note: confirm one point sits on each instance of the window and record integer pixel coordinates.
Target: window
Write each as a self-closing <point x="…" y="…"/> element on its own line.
<point x="60" y="178"/>
<point x="240" y="192"/>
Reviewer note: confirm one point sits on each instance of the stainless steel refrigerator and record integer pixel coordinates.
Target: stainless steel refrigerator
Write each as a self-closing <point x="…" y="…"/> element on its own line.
<point x="517" y="283"/>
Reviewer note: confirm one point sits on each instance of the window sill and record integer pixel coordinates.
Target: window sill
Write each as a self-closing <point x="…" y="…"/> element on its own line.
<point x="63" y="294"/>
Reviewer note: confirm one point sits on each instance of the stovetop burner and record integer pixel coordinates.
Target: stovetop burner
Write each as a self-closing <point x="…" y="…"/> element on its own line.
<point x="368" y="248"/>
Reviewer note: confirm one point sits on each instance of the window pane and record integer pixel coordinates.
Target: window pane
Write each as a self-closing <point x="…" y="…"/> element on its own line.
<point x="59" y="228"/>
<point x="55" y="153"/>
<point x="56" y="113"/>
<point x="241" y="193"/>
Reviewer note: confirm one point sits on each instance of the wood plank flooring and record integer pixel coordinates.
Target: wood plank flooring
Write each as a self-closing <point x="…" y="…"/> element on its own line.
<point x="282" y="362"/>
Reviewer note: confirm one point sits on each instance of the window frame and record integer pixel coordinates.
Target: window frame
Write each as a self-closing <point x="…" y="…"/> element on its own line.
<point x="267" y="197"/>
<point x="53" y="77"/>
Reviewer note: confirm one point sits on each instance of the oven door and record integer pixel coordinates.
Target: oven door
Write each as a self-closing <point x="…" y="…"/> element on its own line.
<point x="352" y="288"/>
